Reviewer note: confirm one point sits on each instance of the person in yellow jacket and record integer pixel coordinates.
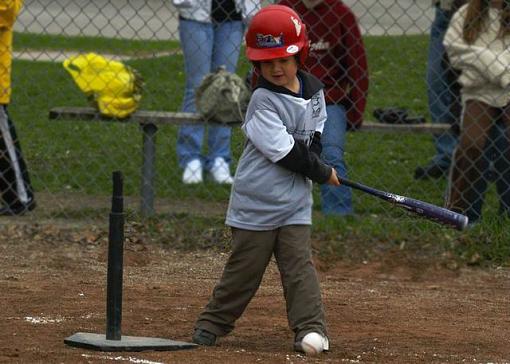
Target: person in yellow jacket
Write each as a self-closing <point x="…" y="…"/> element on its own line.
<point x="16" y="192"/>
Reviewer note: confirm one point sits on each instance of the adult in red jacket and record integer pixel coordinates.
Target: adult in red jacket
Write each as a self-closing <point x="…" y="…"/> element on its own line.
<point x="337" y="57"/>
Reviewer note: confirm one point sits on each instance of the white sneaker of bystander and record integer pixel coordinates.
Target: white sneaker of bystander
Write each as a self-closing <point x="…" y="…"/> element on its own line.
<point x="193" y="172"/>
<point x="220" y="172"/>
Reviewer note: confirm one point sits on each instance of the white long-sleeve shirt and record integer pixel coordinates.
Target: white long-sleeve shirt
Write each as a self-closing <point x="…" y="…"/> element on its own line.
<point x="484" y="64"/>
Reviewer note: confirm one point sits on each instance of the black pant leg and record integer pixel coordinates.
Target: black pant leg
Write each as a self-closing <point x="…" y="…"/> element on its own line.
<point x="15" y="186"/>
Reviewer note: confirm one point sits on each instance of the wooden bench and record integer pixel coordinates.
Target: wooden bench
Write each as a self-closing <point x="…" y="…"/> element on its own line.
<point x="149" y="120"/>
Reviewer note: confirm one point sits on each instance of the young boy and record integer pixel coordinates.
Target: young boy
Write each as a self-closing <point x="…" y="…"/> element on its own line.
<point x="271" y="199"/>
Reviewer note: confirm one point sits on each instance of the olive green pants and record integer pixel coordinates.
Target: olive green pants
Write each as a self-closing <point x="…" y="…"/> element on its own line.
<point x="243" y="272"/>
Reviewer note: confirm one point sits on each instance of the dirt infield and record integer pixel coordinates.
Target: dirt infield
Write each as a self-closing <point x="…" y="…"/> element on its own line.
<point x="392" y="310"/>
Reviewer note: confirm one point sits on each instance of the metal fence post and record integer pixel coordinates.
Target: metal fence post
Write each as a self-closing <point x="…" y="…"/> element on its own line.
<point x="148" y="169"/>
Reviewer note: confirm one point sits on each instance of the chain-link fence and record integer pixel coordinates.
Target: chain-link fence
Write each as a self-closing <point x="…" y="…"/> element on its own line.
<point x="70" y="161"/>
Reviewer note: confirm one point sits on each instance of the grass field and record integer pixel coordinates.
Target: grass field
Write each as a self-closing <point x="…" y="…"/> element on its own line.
<point x="79" y="156"/>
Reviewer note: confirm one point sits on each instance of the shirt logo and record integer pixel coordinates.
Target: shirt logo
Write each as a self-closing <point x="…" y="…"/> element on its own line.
<point x="321" y="45"/>
<point x="297" y="25"/>
<point x="269" y="40"/>
<point x="316" y="105"/>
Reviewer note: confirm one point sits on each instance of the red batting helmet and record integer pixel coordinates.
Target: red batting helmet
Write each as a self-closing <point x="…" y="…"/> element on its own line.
<point x="276" y="31"/>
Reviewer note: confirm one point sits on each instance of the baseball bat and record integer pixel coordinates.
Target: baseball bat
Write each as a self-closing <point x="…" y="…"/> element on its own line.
<point x="427" y="210"/>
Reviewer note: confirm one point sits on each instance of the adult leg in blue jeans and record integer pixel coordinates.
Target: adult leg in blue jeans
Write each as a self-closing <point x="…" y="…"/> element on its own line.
<point x="335" y="200"/>
<point x="206" y="46"/>
<point x="441" y="98"/>
<point x="227" y="44"/>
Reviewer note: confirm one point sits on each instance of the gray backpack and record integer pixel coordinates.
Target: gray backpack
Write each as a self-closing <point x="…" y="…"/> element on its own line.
<point x="222" y="97"/>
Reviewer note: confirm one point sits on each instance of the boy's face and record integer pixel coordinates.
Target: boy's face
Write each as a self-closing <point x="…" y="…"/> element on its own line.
<point x="281" y="72"/>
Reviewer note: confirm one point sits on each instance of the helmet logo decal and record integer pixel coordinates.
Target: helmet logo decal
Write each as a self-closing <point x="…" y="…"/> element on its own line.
<point x="269" y="40"/>
<point x="292" y="49"/>
<point x="297" y="25"/>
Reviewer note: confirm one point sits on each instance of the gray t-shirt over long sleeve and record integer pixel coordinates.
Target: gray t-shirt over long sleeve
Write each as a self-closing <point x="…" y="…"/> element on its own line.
<point x="265" y="195"/>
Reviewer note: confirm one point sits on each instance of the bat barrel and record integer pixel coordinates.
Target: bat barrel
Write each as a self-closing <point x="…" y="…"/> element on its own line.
<point x="431" y="212"/>
<point x="427" y="210"/>
<point x="436" y="213"/>
<point x="459" y="221"/>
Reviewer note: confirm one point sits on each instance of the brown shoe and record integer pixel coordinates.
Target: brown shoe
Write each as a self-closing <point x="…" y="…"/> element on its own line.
<point x="204" y="337"/>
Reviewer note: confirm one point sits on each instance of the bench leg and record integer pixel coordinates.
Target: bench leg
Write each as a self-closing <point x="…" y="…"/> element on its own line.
<point x="148" y="169"/>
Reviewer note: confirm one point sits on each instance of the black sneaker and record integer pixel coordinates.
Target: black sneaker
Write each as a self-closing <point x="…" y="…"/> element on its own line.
<point x="430" y="171"/>
<point x="18" y="209"/>
<point x="391" y="115"/>
<point x="204" y="337"/>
